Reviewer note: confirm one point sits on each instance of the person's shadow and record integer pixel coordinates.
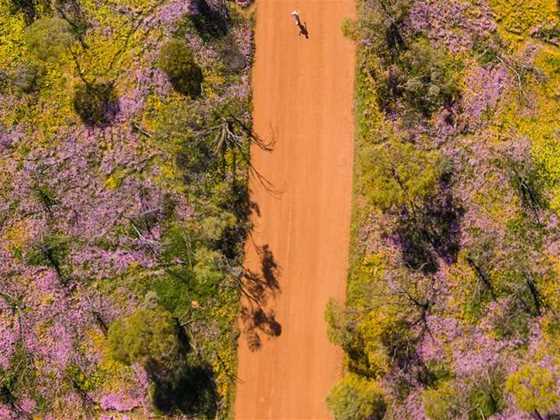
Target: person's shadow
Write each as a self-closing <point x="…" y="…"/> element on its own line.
<point x="303" y="30"/>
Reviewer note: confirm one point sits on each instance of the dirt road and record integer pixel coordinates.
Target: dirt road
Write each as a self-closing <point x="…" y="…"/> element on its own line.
<point x="303" y="101"/>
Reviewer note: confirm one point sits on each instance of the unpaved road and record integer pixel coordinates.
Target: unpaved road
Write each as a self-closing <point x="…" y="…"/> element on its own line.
<point x="303" y="90"/>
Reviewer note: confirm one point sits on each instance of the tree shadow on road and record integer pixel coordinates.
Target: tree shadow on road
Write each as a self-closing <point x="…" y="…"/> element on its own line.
<point x="258" y="287"/>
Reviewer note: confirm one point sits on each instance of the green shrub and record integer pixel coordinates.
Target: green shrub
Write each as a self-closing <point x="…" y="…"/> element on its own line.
<point x="442" y="403"/>
<point x="147" y="334"/>
<point x="177" y="61"/>
<point x="533" y="388"/>
<point x="350" y="29"/>
<point x="96" y="104"/>
<point x="48" y="37"/>
<point x="425" y="77"/>
<point x="481" y="398"/>
<point x="354" y="398"/>
<point x="398" y="174"/>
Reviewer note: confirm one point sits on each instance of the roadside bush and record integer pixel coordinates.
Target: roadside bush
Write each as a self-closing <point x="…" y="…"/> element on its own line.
<point x="48" y="37"/>
<point x="177" y="61"/>
<point x="96" y="104"/>
<point x="350" y="29"/>
<point x="147" y="334"/>
<point x="354" y="398"/>
<point x="398" y="174"/>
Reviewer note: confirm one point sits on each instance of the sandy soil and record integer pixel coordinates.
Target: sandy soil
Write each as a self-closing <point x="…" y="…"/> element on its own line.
<point x="303" y="92"/>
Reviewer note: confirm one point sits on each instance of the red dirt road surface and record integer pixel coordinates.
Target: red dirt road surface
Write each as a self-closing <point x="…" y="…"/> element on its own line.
<point x="303" y="91"/>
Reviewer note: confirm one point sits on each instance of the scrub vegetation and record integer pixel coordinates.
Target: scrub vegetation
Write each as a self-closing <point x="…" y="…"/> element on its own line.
<point x="125" y="129"/>
<point x="453" y="295"/>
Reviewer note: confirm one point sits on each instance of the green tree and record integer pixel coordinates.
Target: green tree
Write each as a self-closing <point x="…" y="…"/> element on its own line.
<point x="177" y="61"/>
<point x="533" y="388"/>
<point x="355" y="398"/>
<point x="398" y="174"/>
<point x="342" y="330"/>
<point x="48" y="37"/>
<point x="147" y="334"/>
<point x="428" y="77"/>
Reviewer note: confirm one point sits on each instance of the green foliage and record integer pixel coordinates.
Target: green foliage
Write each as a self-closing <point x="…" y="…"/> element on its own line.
<point x="381" y="22"/>
<point x="442" y="403"/>
<point x="147" y="334"/>
<point x="207" y="271"/>
<point x="177" y="61"/>
<point x="96" y="104"/>
<point x="342" y="329"/>
<point x="527" y="180"/>
<point x="173" y="291"/>
<point x="50" y="251"/>
<point x="388" y="341"/>
<point x="481" y="398"/>
<point x="517" y="18"/>
<point x="533" y="388"/>
<point x="487" y="50"/>
<point x="350" y="29"/>
<point x="81" y="380"/>
<point x="355" y="398"/>
<point x="425" y="77"/>
<point x="48" y="37"/>
<point x="398" y="174"/>
<point x="20" y="377"/>
<point x="337" y="330"/>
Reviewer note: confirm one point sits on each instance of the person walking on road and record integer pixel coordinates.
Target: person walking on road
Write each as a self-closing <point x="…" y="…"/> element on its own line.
<point x="302" y="27"/>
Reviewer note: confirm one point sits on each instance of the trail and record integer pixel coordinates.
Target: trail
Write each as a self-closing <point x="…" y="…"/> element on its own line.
<point x="303" y="90"/>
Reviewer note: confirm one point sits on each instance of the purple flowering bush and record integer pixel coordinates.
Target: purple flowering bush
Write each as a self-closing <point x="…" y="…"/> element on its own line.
<point x="452" y="301"/>
<point x="119" y="219"/>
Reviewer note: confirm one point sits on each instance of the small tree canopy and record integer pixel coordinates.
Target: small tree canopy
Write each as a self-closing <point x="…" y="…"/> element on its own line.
<point x="144" y="335"/>
<point x="48" y="37"/>
<point x="354" y="398"/>
<point x="177" y="61"/>
<point x="398" y="174"/>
